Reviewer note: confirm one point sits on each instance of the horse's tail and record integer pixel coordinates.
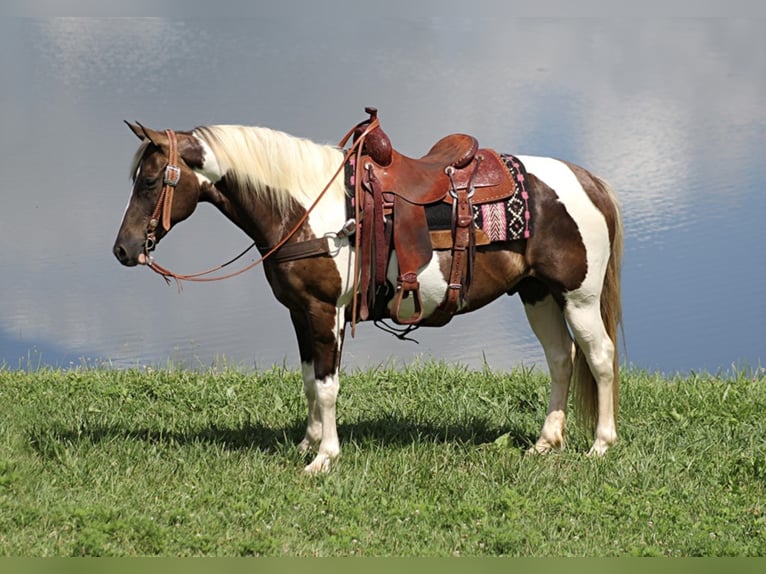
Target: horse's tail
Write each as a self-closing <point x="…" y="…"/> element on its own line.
<point x="584" y="384"/>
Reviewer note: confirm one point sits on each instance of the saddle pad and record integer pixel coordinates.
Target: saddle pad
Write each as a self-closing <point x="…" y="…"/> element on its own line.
<point x="509" y="219"/>
<point x="505" y="220"/>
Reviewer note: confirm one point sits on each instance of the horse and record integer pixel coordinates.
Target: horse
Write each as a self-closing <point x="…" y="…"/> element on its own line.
<point x="284" y="190"/>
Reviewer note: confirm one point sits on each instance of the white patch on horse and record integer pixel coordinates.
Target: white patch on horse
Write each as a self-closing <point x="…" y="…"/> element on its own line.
<point x="135" y="168"/>
<point x="343" y="257"/>
<point x="210" y="169"/>
<point x="433" y="286"/>
<point x="127" y="205"/>
<point x="590" y="221"/>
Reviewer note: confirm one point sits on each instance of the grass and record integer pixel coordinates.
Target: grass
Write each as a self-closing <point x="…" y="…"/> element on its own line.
<point x="99" y="462"/>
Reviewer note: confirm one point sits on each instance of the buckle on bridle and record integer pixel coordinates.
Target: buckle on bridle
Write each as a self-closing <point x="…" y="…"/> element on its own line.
<point x="172" y="175"/>
<point x="150" y="242"/>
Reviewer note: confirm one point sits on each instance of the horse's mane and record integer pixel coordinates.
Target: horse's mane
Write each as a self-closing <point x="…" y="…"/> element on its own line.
<point x="273" y="163"/>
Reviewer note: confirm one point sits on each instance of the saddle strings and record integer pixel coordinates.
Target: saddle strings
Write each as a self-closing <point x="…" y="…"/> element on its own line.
<point x="401" y="333"/>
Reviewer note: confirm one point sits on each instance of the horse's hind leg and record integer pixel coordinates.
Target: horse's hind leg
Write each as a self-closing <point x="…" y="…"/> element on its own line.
<point x="547" y="321"/>
<point x="584" y="318"/>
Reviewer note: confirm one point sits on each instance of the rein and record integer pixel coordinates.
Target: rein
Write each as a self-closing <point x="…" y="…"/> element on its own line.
<point x="162" y="211"/>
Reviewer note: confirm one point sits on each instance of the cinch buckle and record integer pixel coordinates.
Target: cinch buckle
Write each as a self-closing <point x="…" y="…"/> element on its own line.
<point x="348" y="229"/>
<point x="172" y="175"/>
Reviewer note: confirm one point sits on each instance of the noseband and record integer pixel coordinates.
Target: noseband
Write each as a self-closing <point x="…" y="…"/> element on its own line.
<point x="163" y="209"/>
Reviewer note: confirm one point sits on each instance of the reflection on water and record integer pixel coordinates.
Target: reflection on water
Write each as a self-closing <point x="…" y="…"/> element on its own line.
<point x="670" y="111"/>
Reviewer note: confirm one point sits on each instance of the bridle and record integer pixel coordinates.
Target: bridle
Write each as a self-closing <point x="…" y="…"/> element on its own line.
<point x="163" y="208"/>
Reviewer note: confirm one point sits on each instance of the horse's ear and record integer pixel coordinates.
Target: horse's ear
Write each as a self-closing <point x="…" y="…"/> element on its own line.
<point x="137" y="129"/>
<point x="143" y="133"/>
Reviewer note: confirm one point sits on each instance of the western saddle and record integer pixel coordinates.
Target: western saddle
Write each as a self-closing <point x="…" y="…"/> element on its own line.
<point x="392" y="192"/>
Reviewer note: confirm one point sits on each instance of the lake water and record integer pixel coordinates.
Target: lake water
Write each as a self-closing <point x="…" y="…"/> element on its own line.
<point x="671" y="112"/>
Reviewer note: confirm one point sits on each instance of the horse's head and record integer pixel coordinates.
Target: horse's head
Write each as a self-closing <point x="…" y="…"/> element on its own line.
<point x="165" y="191"/>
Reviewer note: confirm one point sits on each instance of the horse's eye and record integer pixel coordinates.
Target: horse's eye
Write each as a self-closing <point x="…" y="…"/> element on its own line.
<point x="151" y="182"/>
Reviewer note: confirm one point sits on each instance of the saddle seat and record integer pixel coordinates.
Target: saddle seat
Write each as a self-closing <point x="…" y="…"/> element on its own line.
<point x="424" y="181"/>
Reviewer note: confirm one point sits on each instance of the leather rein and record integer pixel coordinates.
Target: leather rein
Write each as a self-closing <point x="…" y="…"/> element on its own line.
<point x="163" y="209"/>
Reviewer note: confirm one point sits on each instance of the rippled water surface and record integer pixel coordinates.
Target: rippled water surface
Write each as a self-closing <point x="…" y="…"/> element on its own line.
<point x="671" y="112"/>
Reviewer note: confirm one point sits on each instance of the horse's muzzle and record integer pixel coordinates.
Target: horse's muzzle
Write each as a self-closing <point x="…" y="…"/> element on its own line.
<point x="128" y="255"/>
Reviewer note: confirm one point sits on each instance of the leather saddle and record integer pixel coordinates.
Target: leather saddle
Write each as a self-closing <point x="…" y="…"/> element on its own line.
<point x="396" y="190"/>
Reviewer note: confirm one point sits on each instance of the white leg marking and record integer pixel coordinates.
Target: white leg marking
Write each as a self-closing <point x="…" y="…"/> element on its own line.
<point x="322" y="415"/>
<point x="588" y="329"/>
<point x="547" y="321"/>
<point x="314" y="425"/>
<point x="329" y="447"/>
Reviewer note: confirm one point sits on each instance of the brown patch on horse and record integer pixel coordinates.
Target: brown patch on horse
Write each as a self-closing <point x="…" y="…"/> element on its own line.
<point x="310" y="288"/>
<point x="190" y="150"/>
<point x="498" y="268"/>
<point x="532" y="290"/>
<point x="556" y="252"/>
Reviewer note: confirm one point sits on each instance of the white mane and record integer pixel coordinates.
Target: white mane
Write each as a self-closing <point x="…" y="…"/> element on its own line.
<point x="271" y="162"/>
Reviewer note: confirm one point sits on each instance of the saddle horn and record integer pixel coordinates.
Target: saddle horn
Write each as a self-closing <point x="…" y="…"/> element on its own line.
<point x="377" y="144"/>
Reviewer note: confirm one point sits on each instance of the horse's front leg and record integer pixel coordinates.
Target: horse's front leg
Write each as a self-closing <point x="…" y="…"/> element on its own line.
<point x="314" y="426"/>
<point x="320" y="340"/>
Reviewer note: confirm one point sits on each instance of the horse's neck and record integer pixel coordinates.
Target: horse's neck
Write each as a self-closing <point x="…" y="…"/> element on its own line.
<point x="248" y="211"/>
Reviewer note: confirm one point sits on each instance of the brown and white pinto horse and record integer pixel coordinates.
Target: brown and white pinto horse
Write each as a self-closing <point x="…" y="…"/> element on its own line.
<point x="264" y="181"/>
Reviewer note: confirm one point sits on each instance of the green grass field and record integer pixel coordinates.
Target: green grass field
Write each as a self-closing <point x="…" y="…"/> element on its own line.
<point x="100" y="462"/>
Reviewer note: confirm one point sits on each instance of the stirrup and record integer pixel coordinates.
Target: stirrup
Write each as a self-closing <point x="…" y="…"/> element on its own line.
<point x="408" y="283"/>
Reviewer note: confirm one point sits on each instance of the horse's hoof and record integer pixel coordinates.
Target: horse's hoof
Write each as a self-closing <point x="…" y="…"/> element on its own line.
<point x="304" y="446"/>
<point x="538" y="449"/>
<point x="543" y="446"/>
<point x="599" y="449"/>
<point x="320" y="465"/>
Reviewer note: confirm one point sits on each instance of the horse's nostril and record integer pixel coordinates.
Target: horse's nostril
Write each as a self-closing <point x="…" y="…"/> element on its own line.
<point x="120" y="253"/>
